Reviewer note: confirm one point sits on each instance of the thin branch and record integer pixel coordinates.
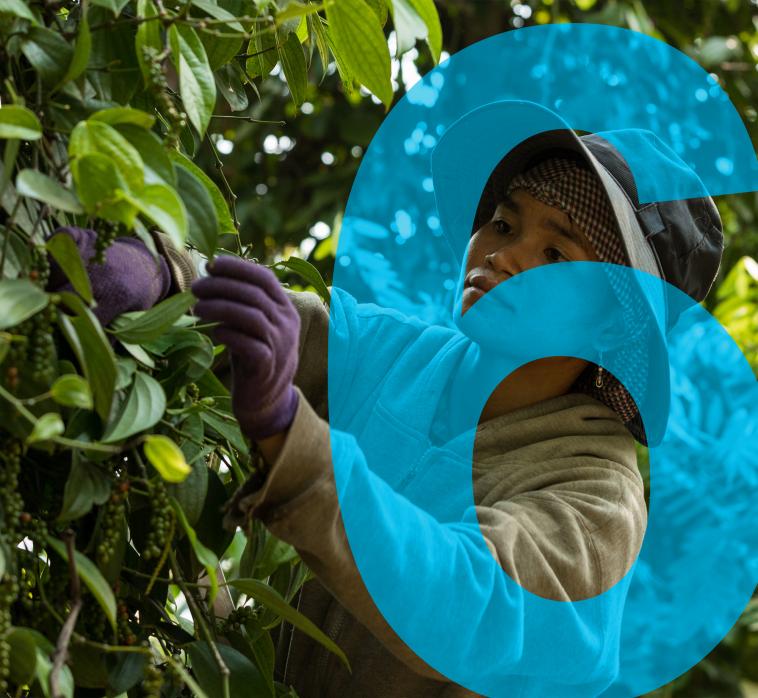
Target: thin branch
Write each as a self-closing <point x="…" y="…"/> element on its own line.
<point x="198" y="617"/>
<point x="64" y="639"/>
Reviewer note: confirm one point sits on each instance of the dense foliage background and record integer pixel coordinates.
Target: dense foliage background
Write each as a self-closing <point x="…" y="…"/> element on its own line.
<point x="246" y="123"/>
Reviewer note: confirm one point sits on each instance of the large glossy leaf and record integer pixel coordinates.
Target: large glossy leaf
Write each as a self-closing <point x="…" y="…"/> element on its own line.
<point x="149" y="325"/>
<point x="72" y="390"/>
<point x="408" y="25"/>
<point x="293" y="63"/>
<point x="161" y="205"/>
<point x="86" y="486"/>
<point x="23" y="656"/>
<point x="268" y="597"/>
<point x="245" y="679"/>
<point x="19" y="122"/>
<point x="142" y="409"/>
<point x="201" y="213"/>
<point x="93" y="136"/>
<point x="428" y="12"/>
<point x="101" y="188"/>
<point x="196" y="84"/>
<point x="114" y="116"/>
<point x="48" y="52"/>
<point x="64" y="251"/>
<point x="359" y="39"/>
<point x="93" y="351"/>
<point x="212" y="9"/>
<point x="91" y="576"/>
<point x="19" y="300"/>
<point x="158" y="167"/>
<point x="39" y="186"/>
<point x="261" y="52"/>
<point x="225" y="222"/>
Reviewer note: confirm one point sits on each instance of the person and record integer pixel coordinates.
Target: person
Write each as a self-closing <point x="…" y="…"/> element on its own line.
<point x="560" y="500"/>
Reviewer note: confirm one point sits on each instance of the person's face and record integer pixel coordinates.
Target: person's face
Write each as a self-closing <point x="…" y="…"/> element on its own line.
<point x="523" y="233"/>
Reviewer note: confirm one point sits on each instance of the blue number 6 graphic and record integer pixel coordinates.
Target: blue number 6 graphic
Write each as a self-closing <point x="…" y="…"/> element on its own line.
<point x="403" y="422"/>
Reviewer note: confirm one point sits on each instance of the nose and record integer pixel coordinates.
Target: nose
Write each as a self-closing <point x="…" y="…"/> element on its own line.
<point x="514" y="257"/>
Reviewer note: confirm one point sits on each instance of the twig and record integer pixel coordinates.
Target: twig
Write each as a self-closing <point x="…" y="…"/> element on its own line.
<point x="198" y="617"/>
<point x="64" y="639"/>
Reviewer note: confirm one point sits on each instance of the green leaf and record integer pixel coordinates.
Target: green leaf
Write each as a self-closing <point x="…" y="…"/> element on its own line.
<point x="408" y="25"/>
<point x="228" y="429"/>
<point x="191" y="493"/>
<point x="309" y="273"/>
<point x="39" y="186"/>
<point x="63" y="249"/>
<point x="201" y="213"/>
<point x="48" y="52"/>
<point x="196" y="84"/>
<point x="19" y="300"/>
<point x="245" y="679"/>
<point x="207" y="558"/>
<point x="149" y="325"/>
<point x="124" y="115"/>
<point x="93" y="136"/>
<point x="19" y="122"/>
<point x="262" y="54"/>
<point x="148" y="36"/>
<point x="114" y="6"/>
<point x="101" y="188"/>
<point x="162" y="206"/>
<point x="167" y="458"/>
<point x="359" y="38"/>
<point x="91" y="577"/>
<point x="72" y="390"/>
<point x="293" y="63"/>
<point x="380" y="9"/>
<point x="428" y="12"/>
<point x="48" y="426"/>
<point x="23" y="656"/>
<point x="86" y="486"/>
<point x="126" y="369"/>
<point x="225" y="222"/>
<point x="17" y="8"/>
<point x="141" y="410"/>
<point x="268" y="597"/>
<point x="217" y="12"/>
<point x="92" y="349"/>
<point x="82" y="50"/>
<point x="158" y="167"/>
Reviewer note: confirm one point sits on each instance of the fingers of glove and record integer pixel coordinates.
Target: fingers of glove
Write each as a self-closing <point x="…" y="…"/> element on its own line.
<point x="250" y="272"/>
<point x="217" y="288"/>
<point x="255" y="351"/>
<point x="243" y="318"/>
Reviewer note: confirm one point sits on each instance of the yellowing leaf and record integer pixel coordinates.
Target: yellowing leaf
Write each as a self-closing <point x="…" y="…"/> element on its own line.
<point x="167" y="458"/>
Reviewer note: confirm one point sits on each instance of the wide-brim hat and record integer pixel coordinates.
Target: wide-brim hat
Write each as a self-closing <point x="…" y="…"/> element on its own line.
<point x="497" y="141"/>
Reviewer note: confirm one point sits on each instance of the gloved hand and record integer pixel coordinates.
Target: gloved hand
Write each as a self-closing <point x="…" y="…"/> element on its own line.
<point x="129" y="279"/>
<point x="261" y="329"/>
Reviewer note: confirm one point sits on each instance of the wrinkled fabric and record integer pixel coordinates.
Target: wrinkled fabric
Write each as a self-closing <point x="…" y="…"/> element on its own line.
<point x="129" y="279"/>
<point x="260" y="327"/>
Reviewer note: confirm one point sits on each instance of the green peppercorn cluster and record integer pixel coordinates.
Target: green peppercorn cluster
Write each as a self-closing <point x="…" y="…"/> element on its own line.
<point x="161" y="517"/>
<point x="237" y="619"/>
<point x="11" y="503"/>
<point x="8" y="594"/>
<point x="124" y="630"/>
<point x="153" y="681"/>
<point x="113" y="514"/>
<point x="107" y="232"/>
<point x="158" y="86"/>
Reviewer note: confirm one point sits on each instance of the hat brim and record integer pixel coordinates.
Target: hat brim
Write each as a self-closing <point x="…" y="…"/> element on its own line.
<point x="509" y="134"/>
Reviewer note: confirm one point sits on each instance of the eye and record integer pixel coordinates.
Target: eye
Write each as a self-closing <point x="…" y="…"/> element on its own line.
<point x="501" y="226"/>
<point x="555" y="255"/>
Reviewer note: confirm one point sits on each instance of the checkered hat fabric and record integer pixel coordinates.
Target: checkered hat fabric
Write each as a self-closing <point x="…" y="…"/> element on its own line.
<point x="569" y="185"/>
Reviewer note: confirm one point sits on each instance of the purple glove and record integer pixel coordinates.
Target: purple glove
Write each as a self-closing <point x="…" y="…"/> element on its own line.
<point x="261" y="329"/>
<point x="129" y="278"/>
